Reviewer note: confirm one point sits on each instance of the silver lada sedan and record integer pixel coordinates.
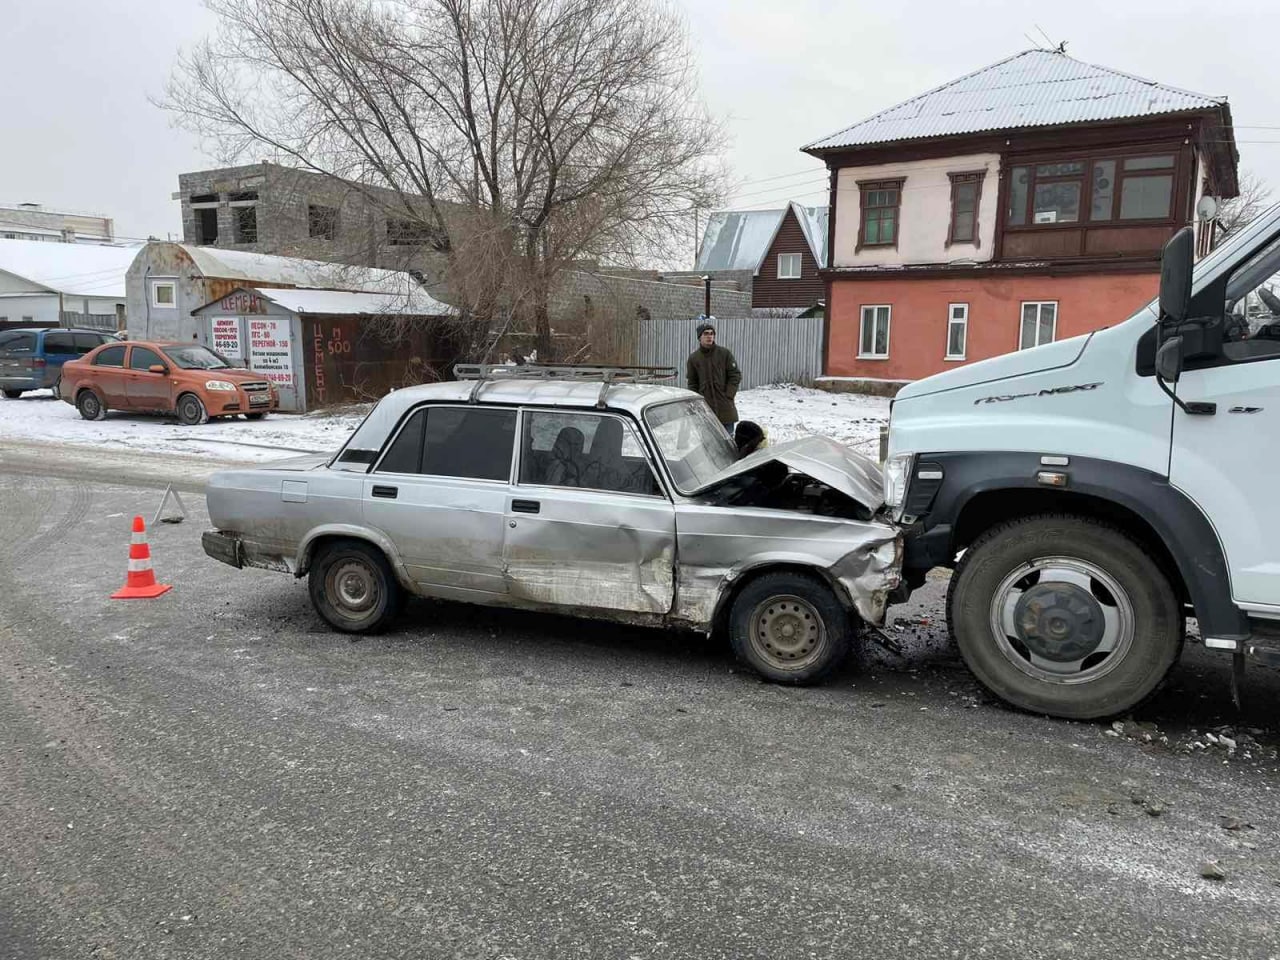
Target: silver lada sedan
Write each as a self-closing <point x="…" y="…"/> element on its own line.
<point x="609" y="499"/>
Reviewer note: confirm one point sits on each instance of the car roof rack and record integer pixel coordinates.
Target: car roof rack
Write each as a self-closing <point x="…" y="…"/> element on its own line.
<point x="606" y="376"/>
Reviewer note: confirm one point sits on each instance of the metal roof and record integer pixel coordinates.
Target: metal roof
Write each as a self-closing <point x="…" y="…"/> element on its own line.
<point x="1035" y="88"/>
<point x="266" y="268"/>
<point x="412" y="302"/>
<point x="739" y="239"/>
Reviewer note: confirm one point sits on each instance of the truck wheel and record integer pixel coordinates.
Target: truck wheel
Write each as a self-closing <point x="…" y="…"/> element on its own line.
<point x="191" y="410"/>
<point x="789" y="628"/>
<point x="352" y="587"/>
<point x="90" y="407"/>
<point x="1064" y="615"/>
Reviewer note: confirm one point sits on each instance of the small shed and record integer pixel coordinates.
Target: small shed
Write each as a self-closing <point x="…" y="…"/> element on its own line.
<point x="326" y="347"/>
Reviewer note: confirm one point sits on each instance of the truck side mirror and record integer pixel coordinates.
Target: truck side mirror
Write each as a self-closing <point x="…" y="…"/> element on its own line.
<point x="1169" y="360"/>
<point x="1176" y="263"/>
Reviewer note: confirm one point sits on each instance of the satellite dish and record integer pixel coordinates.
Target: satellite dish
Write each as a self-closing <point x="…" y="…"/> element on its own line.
<point x="1207" y="208"/>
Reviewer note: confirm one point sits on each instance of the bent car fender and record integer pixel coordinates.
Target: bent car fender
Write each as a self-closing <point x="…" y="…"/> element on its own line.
<point x="302" y="562"/>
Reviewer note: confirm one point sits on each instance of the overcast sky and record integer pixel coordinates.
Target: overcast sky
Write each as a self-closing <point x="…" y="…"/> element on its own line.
<point x="80" y="133"/>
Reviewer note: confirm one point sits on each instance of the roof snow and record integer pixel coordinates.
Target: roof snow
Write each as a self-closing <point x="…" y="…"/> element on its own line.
<point x="77" y="269"/>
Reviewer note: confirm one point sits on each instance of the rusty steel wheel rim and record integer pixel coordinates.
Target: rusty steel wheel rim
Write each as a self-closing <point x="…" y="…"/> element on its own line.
<point x="352" y="588"/>
<point x="787" y="632"/>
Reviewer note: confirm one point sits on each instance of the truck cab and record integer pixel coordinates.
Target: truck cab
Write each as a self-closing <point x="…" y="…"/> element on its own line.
<point x="1093" y="494"/>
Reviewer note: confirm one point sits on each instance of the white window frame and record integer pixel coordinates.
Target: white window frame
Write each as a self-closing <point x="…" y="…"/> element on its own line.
<point x="888" y="327"/>
<point x="1039" y="305"/>
<point x="172" y="285"/>
<point x="961" y="321"/>
<point x="799" y="261"/>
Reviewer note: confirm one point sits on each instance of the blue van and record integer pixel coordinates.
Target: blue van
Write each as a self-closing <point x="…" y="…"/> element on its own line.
<point x="31" y="358"/>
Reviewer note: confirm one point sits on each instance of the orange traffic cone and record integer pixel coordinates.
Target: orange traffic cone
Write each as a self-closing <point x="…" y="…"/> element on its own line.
<point x="141" y="584"/>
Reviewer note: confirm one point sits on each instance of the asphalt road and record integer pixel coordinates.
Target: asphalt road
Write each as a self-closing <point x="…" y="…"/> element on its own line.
<point x="216" y="774"/>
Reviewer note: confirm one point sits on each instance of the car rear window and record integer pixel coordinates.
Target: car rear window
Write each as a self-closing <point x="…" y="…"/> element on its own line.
<point x="110" y="357"/>
<point x="466" y="442"/>
<point x="59" y="342"/>
<point x="18" y="341"/>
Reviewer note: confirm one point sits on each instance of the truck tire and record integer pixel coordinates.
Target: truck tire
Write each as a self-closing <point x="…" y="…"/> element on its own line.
<point x="352" y="587"/>
<point x="1064" y="615"/>
<point x="789" y="628"/>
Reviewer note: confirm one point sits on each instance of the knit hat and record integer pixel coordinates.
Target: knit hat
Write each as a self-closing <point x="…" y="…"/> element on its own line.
<point x="704" y="327"/>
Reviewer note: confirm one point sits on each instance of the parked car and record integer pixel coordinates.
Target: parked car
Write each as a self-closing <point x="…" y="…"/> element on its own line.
<point x="624" y="503"/>
<point x="31" y="358"/>
<point x="185" y="379"/>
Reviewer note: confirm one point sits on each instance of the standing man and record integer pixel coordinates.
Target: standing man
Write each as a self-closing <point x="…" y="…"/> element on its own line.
<point x="712" y="372"/>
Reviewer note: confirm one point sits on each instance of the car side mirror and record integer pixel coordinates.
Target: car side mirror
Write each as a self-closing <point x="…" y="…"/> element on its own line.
<point x="1169" y="360"/>
<point x="1176" y="264"/>
<point x="158" y="368"/>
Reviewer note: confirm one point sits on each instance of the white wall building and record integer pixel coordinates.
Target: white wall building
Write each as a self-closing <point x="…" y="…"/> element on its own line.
<point x="32" y="221"/>
<point x="69" y="283"/>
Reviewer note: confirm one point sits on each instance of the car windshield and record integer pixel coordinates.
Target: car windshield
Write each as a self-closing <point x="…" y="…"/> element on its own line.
<point x="693" y="443"/>
<point x="197" y="358"/>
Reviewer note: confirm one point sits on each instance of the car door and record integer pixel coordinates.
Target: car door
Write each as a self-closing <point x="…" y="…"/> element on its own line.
<point x="1225" y="462"/>
<point x="17" y="357"/>
<point x="108" y="375"/>
<point x="143" y="389"/>
<point x="439" y="491"/>
<point x="59" y="347"/>
<point x="588" y="524"/>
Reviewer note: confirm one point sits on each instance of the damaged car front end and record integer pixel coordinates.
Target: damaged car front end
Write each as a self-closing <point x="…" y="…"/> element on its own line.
<point x="546" y="497"/>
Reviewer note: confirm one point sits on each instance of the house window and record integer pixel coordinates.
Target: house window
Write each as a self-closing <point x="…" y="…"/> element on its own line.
<point x="163" y="293"/>
<point x="246" y="220"/>
<point x="206" y="225"/>
<point x="1096" y="190"/>
<point x="322" y="222"/>
<point x="966" y="194"/>
<point x="1039" y="324"/>
<point x="410" y="233"/>
<point x="873" y="338"/>
<point x="957" y="330"/>
<point x="880" y="200"/>
<point x="788" y="266"/>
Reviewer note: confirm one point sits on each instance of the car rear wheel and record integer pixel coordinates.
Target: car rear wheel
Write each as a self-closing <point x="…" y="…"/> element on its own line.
<point x="90" y="407"/>
<point x="191" y="410"/>
<point x="57" y="388"/>
<point x="789" y="628"/>
<point x="352" y="587"/>
<point x="13" y="394"/>
<point x="1064" y="615"/>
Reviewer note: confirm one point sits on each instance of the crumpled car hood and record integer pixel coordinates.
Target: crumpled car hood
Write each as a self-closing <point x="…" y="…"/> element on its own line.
<point x="821" y="458"/>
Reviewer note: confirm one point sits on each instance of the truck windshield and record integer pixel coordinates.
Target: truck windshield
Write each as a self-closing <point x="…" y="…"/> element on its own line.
<point x="196" y="358"/>
<point x="693" y="443"/>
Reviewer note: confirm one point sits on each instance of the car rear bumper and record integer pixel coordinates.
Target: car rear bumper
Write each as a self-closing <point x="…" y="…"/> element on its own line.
<point x="224" y="547"/>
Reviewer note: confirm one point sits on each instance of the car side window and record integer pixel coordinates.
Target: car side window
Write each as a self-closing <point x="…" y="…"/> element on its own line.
<point x="475" y="443"/>
<point x="59" y="342"/>
<point x="585" y="450"/>
<point x="142" y="359"/>
<point x="84" y="342"/>
<point x="110" y="357"/>
<point x="19" y="341"/>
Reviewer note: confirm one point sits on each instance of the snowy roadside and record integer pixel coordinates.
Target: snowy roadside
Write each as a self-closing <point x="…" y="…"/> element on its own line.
<point x="785" y="412"/>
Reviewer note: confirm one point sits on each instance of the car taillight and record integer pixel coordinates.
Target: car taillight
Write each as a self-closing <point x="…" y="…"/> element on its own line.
<point x="38" y="362"/>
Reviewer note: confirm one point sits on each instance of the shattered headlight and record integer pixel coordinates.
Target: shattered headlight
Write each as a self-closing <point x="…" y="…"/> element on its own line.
<point x="897" y="470"/>
<point x="219" y="385"/>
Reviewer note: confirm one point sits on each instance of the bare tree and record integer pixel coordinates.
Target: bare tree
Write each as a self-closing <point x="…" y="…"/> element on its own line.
<point x="1254" y="197"/>
<point x="521" y="135"/>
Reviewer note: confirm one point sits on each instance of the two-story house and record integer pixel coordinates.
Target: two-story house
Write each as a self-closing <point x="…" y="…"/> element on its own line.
<point x="1021" y="204"/>
<point x="780" y="253"/>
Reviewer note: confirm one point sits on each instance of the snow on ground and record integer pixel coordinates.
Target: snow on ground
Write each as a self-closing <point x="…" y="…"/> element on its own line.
<point x="784" y="411"/>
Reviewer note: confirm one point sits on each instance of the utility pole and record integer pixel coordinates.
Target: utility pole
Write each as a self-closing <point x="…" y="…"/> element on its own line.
<point x="706" y="296"/>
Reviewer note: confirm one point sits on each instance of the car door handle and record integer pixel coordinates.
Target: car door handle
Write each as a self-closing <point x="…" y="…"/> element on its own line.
<point x="386" y="493"/>
<point x="525" y="506"/>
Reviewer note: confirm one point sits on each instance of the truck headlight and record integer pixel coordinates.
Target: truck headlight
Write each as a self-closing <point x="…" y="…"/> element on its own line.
<point x="897" y="470"/>
<point x="219" y="385"/>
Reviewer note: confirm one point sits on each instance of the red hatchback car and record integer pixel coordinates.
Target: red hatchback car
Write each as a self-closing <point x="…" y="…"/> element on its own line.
<point x="185" y="379"/>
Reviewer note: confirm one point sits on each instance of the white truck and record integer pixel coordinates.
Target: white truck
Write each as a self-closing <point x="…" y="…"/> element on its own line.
<point x="1093" y="494"/>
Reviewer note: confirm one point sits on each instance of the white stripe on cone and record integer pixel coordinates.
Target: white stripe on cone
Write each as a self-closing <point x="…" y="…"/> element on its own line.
<point x="139" y="538"/>
<point x="137" y="565"/>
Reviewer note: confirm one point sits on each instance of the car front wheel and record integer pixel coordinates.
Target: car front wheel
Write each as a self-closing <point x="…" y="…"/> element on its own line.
<point x="191" y="410"/>
<point x="13" y="394"/>
<point x="789" y="628"/>
<point x="1064" y="615"/>
<point x="90" y="407"/>
<point x="352" y="587"/>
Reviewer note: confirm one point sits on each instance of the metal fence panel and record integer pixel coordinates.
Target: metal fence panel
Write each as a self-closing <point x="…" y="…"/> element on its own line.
<point x="768" y="349"/>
